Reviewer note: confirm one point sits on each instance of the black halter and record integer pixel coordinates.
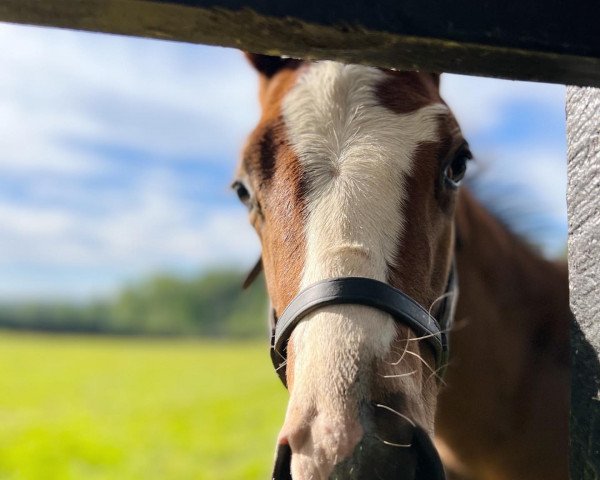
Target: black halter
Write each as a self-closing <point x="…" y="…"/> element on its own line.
<point x="371" y="293"/>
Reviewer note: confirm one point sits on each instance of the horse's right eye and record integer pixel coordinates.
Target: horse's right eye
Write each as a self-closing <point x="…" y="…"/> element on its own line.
<point x="455" y="171"/>
<point x="242" y="192"/>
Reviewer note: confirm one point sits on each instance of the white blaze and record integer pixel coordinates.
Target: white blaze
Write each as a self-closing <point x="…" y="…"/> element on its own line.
<point x="355" y="155"/>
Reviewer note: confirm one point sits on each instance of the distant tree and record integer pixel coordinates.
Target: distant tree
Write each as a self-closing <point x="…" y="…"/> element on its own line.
<point x="210" y="304"/>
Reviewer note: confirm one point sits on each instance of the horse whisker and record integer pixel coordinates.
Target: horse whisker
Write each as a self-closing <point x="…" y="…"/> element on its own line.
<point x="399" y="375"/>
<point x="436" y="374"/>
<point x="282" y="365"/>
<point x="392" y="444"/>
<point x="407" y="351"/>
<point x="403" y="352"/>
<point x="441" y="297"/>
<point x="390" y="409"/>
<point x="421" y="359"/>
<point x="400" y="359"/>
<point x="433" y="372"/>
<point x="447" y="330"/>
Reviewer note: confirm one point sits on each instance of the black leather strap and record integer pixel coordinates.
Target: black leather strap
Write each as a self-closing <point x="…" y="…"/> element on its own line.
<point x="356" y="291"/>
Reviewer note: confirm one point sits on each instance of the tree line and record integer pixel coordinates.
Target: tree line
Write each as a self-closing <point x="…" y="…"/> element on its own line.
<point x="211" y="304"/>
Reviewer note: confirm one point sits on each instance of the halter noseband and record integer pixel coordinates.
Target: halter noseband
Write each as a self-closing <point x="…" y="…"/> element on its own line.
<point x="371" y="293"/>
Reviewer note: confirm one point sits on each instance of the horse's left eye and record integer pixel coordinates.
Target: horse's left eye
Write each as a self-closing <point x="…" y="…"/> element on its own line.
<point x="242" y="192"/>
<point x="455" y="171"/>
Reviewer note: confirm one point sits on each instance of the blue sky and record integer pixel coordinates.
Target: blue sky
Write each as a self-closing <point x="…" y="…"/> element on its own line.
<point x="117" y="154"/>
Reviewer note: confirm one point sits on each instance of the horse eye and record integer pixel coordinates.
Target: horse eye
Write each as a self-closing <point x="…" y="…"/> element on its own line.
<point x="241" y="191"/>
<point x="456" y="170"/>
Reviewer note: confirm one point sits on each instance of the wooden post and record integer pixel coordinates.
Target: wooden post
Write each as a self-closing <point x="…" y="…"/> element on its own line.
<point x="583" y="198"/>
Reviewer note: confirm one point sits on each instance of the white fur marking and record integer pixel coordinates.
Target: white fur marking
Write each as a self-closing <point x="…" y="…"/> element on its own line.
<point x="356" y="155"/>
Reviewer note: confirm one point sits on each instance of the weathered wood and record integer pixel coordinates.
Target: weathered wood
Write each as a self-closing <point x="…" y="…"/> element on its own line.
<point x="553" y="41"/>
<point x="583" y="126"/>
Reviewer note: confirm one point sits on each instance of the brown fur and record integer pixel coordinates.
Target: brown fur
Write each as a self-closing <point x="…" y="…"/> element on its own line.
<point x="418" y="90"/>
<point x="510" y="353"/>
<point x="274" y="171"/>
<point x="422" y="264"/>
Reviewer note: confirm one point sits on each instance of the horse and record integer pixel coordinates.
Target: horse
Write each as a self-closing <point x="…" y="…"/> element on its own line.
<point x="352" y="181"/>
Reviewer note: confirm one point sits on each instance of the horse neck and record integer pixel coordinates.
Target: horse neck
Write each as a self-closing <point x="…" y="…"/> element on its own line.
<point x="509" y="348"/>
<point x="504" y="283"/>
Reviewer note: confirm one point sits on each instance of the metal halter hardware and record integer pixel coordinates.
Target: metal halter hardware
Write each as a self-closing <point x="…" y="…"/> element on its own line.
<point x="371" y="293"/>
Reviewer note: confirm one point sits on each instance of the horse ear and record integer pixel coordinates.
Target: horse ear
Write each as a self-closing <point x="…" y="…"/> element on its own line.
<point x="268" y="65"/>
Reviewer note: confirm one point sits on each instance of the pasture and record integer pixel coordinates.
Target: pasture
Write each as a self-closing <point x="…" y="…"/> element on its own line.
<point x="82" y="407"/>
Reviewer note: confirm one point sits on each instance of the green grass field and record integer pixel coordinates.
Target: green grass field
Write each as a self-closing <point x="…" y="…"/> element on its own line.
<point x="75" y="407"/>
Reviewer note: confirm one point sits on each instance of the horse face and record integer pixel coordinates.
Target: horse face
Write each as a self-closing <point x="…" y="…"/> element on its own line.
<point x="352" y="171"/>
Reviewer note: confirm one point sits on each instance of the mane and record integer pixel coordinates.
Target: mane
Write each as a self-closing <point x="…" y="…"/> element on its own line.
<point x="522" y="211"/>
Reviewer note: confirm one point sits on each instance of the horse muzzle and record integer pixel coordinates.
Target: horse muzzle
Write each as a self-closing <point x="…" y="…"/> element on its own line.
<point x="408" y="455"/>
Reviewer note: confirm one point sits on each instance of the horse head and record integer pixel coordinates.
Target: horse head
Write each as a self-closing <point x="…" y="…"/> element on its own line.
<point x="352" y="171"/>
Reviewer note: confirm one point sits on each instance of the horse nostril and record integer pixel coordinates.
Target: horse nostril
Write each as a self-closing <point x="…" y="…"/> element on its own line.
<point x="313" y="445"/>
<point x="429" y="463"/>
<point x="282" y="470"/>
<point x="294" y="437"/>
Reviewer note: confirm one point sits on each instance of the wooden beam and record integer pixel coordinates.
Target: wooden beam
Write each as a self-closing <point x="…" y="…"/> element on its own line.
<point x="553" y="41"/>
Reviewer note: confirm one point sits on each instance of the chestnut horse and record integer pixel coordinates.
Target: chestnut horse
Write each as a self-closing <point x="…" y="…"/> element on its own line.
<point x="354" y="171"/>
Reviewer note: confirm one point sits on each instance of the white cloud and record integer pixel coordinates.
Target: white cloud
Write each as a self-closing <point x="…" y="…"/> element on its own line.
<point x="32" y="221"/>
<point x="477" y="102"/>
<point x="61" y="85"/>
<point x="147" y="228"/>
